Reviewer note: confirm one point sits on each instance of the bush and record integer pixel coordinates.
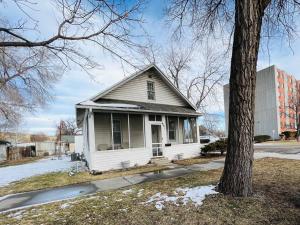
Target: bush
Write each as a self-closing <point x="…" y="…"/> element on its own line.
<point x="219" y="145"/>
<point x="46" y="154"/>
<point x="289" y="134"/>
<point x="261" y="138"/>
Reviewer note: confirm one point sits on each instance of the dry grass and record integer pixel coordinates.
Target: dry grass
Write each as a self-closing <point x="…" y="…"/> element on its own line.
<point x="57" y="179"/>
<point x="276" y="201"/>
<point x="19" y="161"/>
<point x="199" y="160"/>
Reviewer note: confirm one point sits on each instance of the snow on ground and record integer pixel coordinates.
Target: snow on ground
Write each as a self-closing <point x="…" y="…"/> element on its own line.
<point x="196" y="195"/>
<point x="260" y="155"/>
<point x="14" y="173"/>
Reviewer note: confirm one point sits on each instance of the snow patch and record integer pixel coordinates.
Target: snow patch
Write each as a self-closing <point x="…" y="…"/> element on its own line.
<point x="65" y="206"/>
<point x="140" y="192"/>
<point x="14" y="173"/>
<point x="184" y="195"/>
<point x="127" y="191"/>
<point x="17" y="215"/>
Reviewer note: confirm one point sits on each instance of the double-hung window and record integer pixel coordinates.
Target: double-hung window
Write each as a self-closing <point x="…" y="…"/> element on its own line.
<point x="150" y="90"/>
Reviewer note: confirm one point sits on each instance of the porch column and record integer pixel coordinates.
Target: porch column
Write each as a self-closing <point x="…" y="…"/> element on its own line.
<point x="144" y="133"/>
<point x="91" y="131"/>
<point x="112" y="131"/>
<point x="128" y="120"/>
<point x="198" y="134"/>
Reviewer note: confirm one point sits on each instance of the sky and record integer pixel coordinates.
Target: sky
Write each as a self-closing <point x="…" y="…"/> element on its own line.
<point x="76" y="86"/>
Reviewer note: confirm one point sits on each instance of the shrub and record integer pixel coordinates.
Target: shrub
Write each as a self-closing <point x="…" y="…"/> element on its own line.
<point x="261" y="138"/>
<point x="219" y="145"/>
<point x="46" y="154"/>
<point x="289" y="134"/>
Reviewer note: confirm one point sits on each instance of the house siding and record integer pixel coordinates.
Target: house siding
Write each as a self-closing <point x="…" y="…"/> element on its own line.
<point x="136" y="90"/>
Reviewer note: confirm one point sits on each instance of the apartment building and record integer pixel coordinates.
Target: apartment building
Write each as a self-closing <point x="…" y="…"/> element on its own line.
<point x="276" y="97"/>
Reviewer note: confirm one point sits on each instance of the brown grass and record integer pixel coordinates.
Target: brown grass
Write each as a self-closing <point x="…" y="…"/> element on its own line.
<point x="199" y="160"/>
<point x="57" y="179"/>
<point x="276" y="184"/>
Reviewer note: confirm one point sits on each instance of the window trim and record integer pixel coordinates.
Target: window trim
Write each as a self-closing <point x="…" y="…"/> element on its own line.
<point x="149" y="92"/>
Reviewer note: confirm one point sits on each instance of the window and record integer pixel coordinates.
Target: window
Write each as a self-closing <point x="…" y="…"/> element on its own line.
<point x="117" y="132"/>
<point x="172" y="128"/>
<point x="154" y="117"/>
<point x="189" y="130"/>
<point x="150" y="90"/>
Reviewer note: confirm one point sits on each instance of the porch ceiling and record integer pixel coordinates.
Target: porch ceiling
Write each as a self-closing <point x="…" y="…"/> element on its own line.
<point x="116" y="105"/>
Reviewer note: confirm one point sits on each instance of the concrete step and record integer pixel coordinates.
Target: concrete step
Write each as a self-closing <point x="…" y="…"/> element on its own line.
<point x="160" y="161"/>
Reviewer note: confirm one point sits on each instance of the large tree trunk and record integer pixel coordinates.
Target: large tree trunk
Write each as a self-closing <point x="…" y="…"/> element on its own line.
<point x="236" y="179"/>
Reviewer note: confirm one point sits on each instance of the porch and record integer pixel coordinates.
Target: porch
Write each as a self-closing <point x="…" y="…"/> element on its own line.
<point x="119" y="138"/>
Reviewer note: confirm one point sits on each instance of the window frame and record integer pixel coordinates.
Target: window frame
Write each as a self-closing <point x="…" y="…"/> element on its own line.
<point x="151" y="92"/>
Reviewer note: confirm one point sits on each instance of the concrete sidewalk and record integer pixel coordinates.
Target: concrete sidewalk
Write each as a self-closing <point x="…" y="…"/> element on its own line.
<point x="27" y="199"/>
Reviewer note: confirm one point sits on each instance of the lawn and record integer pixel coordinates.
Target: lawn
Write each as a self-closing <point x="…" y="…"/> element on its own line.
<point x="57" y="179"/>
<point x="276" y="201"/>
<point x="199" y="160"/>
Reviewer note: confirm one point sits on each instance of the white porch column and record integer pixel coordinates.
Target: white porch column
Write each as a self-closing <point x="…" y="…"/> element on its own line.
<point x="91" y="131"/>
<point x="128" y="126"/>
<point x="198" y="134"/>
<point x="112" y="131"/>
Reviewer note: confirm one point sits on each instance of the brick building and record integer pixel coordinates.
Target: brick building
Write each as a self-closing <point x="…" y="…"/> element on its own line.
<point x="276" y="99"/>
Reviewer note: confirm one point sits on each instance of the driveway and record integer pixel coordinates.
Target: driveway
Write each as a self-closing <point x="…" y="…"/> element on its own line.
<point x="278" y="148"/>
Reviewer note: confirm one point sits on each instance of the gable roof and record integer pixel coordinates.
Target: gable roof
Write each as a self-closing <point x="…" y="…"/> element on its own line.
<point x="134" y="75"/>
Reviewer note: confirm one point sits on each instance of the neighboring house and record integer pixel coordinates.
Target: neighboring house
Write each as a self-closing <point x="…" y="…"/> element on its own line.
<point x="68" y="143"/>
<point x="274" y="99"/>
<point x="140" y="118"/>
<point x="3" y="150"/>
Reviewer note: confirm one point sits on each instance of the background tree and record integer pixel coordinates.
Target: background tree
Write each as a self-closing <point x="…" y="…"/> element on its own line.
<point x="67" y="127"/>
<point x="245" y="20"/>
<point x="38" y="137"/>
<point x="31" y="62"/>
<point x="198" y="71"/>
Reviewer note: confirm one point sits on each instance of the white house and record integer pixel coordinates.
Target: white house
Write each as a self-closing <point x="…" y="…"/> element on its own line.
<point x="141" y="118"/>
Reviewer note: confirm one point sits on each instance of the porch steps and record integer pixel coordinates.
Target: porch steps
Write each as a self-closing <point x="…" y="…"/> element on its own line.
<point x="160" y="161"/>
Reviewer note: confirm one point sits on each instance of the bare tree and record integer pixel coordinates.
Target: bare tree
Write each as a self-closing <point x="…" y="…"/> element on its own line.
<point x="246" y="20"/>
<point x="67" y="127"/>
<point x="31" y="63"/>
<point x="38" y="137"/>
<point x="199" y="76"/>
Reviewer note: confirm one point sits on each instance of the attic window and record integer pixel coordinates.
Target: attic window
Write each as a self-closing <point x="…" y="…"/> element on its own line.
<point x="150" y="90"/>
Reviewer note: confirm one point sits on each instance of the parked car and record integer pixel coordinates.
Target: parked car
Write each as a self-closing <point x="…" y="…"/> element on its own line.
<point x="205" y="139"/>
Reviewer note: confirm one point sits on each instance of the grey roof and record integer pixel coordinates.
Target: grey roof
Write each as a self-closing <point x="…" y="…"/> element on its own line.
<point x="145" y="107"/>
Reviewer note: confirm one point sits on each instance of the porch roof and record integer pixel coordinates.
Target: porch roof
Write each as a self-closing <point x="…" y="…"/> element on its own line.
<point x="142" y="107"/>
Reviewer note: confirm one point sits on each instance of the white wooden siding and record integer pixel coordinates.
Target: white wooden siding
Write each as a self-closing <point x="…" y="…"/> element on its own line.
<point x="112" y="159"/>
<point x="188" y="151"/>
<point x="136" y="90"/>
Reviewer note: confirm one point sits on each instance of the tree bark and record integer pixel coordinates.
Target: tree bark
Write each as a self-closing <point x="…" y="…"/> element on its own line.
<point x="236" y="179"/>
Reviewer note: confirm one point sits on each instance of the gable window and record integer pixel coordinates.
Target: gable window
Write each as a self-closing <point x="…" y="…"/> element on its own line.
<point x="117" y="132"/>
<point x="150" y="90"/>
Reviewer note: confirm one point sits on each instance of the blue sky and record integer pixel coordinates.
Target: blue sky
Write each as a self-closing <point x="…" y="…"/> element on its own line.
<point x="76" y="85"/>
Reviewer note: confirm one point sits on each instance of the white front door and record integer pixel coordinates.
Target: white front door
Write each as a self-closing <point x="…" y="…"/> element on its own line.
<point x="156" y="140"/>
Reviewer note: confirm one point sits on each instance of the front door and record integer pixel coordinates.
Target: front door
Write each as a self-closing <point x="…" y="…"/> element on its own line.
<point x="156" y="140"/>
